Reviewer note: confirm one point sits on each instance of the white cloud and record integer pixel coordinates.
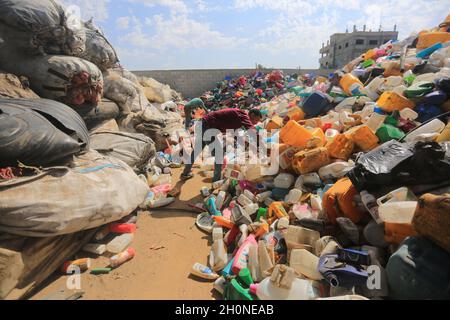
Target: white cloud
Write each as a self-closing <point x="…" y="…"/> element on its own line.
<point x="175" y="6"/>
<point x="123" y="23"/>
<point x="97" y="9"/>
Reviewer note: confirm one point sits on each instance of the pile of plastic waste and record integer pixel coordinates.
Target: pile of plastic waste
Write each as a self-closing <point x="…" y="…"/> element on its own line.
<point x="246" y="92"/>
<point x="360" y="205"/>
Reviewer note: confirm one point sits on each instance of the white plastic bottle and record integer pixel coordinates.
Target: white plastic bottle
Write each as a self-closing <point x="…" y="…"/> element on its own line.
<point x="335" y="170"/>
<point x="120" y="243"/>
<point x="434" y="127"/>
<point x="294" y="196"/>
<point x="95" y="248"/>
<point x="220" y="199"/>
<point x="300" y="290"/>
<point x="251" y="208"/>
<point x="260" y="198"/>
<point x="243" y="200"/>
<point x="375" y="121"/>
<point x="218" y="258"/>
<point x="284" y="180"/>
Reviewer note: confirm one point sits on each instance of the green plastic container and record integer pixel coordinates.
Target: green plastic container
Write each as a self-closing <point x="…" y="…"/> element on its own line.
<point x="236" y="292"/>
<point x="262" y="212"/>
<point x="368" y="63"/>
<point x="387" y="133"/>
<point x="391" y="121"/>
<point x="246" y="277"/>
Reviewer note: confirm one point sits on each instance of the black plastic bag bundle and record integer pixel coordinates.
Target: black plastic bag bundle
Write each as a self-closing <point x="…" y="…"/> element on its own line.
<point x="39" y="132"/>
<point x="401" y="164"/>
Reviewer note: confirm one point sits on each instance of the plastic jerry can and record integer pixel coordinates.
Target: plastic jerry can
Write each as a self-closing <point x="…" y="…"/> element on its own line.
<point x="419" y="270"/>
<point x="387" y="133"/>
<point x="434" y="126"/>
<point x="310" y="161"/>
<point x="315" y="104"/>
<point x="397" y="217"/>
<point x="275" y="123"/>
<point x="372" y="90"/>
<point x="296" y="114"/>
<point x="341" y="147"/>
<point x="428" y="39"/>
<point x="351" y="84"/>
<point x="243" y="200"/>
<point x="391" y="101"/>
<point x="401" y="194"/>
<point x="305" y="263"/>
<point x="235" y="292"/>
<point x="295" y="135"/>
<point x="364" y="138"/>
<point x="284" y="180"/>
<point x="297" y="236"/>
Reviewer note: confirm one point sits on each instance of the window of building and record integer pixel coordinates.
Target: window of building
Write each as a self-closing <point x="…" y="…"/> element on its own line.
<point x="373" y="42"/>
<point x="340" y="47"/>
<point x="346" y="45"/>
<point x="359" y="41"/>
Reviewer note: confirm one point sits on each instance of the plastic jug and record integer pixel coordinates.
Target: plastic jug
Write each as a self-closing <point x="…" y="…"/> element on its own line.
<point x="445" y="135"/>
<point x="294" y="134"/>
<point x="284" y="181"/>
<point x="391" y="101"/>
<point x="253" y="264"/>
<point x="220" y="199"/>
<point x="251" y="208"/>
<point x="390" y="83"/>
<point x="260" y="198"/>
<point x="95" y="248"/>
<point x="364" y="138"/>
<point x="243" y="200"/>
<point x="265" y="260"/>
<point x="300" y="290"/>
<point x="401" y="194"/>
<point x="397" y="212"/>
<point x="218" y="256"/>
<point x="376" y="120"/>
<point x="294" y="196"/>
<point x="351" y="85"/>
<point x="372" y="90"/>
<point x="432" y="127"/>
<point x="120" y="243"/>
<point x="409" y="114"/>
<point x="335" y="170"/>
<point x="305" y="263"/>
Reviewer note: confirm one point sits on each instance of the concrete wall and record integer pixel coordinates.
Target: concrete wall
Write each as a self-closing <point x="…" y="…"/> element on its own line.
<point x="193" y="83"/>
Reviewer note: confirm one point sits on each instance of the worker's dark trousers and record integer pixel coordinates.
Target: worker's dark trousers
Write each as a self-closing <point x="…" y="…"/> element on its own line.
<point x="200" y="144"/>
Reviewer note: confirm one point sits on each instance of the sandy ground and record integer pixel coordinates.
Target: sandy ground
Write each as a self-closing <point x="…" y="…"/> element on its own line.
<point x="154" y="274"/>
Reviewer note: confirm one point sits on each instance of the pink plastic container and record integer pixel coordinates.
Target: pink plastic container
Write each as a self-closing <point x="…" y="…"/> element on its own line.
<point x="241" y="257"/>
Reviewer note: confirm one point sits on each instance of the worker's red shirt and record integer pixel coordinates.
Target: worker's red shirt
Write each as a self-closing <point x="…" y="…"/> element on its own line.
<point x="227" y="119"/>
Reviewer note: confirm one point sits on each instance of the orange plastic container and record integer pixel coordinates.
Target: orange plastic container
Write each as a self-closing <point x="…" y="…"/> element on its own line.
<point x="371" y="54"/>
<point x="275" y="123"/>
<point x="220" y="220"/>
<point x="341" y="147"/>
<point x="391" y="101"/>
<point x="364" y="138"/>
<point x="350" y="84"/>
<point x="310" y="161"/>
<point x="296" y="114"/>
<point x="427" y="39"/>
<point x="295" y="135"/>
<point x="397" y="232"/>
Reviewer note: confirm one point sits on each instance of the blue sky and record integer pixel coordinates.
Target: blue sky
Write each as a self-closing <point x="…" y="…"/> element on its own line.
<point x="176" y="34"/>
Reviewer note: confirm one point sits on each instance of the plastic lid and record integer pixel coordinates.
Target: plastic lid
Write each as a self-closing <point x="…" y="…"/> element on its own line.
<point x="253" y="289"/>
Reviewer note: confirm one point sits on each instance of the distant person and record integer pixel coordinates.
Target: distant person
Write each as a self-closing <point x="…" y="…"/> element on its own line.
<point x="222" y="120"/>
<point x="191" y="107"/>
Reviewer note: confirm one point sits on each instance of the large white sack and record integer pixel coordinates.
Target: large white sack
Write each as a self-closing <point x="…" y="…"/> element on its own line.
<point x="94" y="191"/>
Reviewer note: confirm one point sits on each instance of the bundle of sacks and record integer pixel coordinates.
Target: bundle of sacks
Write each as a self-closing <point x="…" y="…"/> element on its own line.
<point x="358" y="205"/>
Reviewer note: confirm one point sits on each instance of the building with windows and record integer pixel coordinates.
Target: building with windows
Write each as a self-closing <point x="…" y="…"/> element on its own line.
<point x="344" y="47"/>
